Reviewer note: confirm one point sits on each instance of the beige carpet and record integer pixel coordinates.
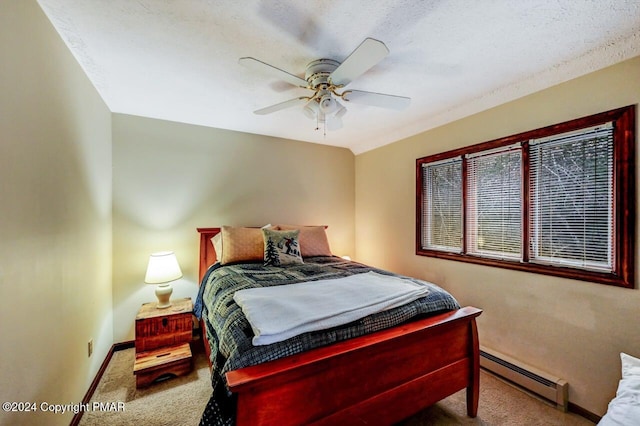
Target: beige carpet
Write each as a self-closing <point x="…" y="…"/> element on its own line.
<point x="177" y="401"/>
<point x="180" y="401"/>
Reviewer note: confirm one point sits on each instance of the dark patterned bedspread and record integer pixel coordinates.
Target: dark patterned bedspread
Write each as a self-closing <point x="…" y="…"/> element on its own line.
<point x="230" y="333"/>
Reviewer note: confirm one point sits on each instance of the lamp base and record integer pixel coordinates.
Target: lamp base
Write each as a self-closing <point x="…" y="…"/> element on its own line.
<point x="163" y="293"/>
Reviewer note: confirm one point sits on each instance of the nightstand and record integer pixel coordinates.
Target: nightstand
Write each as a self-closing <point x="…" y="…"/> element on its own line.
<point x="162" y="341"/>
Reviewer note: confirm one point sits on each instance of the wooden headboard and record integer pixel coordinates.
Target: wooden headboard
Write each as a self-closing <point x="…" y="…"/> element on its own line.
<point x="207" y="253"/>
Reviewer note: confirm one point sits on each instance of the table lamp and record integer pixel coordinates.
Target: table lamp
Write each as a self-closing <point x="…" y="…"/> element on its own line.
<point x="162" y="269"/>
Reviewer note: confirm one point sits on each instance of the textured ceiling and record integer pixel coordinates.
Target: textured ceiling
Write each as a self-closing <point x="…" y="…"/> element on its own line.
<point x="178" y="59"/>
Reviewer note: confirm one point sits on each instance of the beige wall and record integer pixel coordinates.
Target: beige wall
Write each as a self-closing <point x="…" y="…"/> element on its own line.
<point x="55" y="218"/>
<point x="572" y="329"/>
<point x="169" y="178"/>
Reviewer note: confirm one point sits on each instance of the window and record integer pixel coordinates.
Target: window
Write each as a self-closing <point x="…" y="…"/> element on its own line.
<point x="442" y="218"/>
<point x="571" y="209"/>
<point x="494" y="203"/>
<point x="557" y="201"/>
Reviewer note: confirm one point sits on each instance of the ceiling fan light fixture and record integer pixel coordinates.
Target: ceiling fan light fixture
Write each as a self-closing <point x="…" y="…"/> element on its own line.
<point x="341" y="111"/>
<point x="311" y="109"/>
<point x="327" y="104"/>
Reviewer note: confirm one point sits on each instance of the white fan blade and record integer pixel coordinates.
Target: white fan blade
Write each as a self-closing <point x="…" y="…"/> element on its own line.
<point x="258" y="65"/>
<point x="377" y="99"/>
<point x="369" y="53"/>
<point x="282" y="105"/>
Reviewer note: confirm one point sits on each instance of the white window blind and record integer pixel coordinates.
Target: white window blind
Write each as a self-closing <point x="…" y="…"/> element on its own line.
<point x="442" y="209"/>
<point x="494" y="203"/>
<point x="571" y="213"/>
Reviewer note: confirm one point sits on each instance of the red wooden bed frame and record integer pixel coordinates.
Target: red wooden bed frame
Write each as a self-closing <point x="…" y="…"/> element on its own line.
<point x="379" y="378"/>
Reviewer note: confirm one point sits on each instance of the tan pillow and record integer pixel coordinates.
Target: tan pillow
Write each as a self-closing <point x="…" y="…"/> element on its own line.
<point x="241" y="245"/>
<point x="313" y="240"/>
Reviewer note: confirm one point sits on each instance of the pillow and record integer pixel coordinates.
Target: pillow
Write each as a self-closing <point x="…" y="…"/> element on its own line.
<point x="313" y="240"/>
<point x="241" y="245"/>
<point x="216" y="240"/>
<point x="281" y="247"/>
<point x="624" y="409"/>
<point x="630" y="366"/>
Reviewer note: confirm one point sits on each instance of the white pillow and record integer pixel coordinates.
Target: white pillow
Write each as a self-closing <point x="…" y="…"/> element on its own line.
<point x="624" y="409"/>
<point x="216" y="240"/>
<point x="630" y="366"/>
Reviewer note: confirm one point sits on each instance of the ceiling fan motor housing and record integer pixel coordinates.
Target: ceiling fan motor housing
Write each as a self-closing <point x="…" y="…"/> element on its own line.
<point x="318" y="72"/>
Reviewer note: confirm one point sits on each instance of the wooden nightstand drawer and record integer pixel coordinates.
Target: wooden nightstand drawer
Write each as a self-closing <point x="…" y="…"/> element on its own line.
<point x="156" y="328"/>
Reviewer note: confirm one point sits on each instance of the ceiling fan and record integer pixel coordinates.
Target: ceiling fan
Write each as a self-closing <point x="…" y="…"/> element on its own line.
<point x="327" y="78"/>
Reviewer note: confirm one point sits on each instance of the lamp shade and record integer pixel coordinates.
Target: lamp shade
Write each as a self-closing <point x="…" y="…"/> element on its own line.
<point x="162" y="268"/>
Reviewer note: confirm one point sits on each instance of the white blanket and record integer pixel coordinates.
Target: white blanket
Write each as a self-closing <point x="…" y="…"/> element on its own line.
<point x="281" y="312"/>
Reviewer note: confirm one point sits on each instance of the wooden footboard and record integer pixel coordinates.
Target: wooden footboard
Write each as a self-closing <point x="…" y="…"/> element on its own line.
<point x="378" y="378"/>
<point x="375" y="379"/>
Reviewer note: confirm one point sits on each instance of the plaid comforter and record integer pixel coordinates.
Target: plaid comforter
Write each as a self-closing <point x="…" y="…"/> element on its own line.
<point x="230" y="333"/>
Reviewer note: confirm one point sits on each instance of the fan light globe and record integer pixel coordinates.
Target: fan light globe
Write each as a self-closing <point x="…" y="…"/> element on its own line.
<point x="327" y="104"/>
<point x="340" y="110"/>
<point x="311" y="109"/>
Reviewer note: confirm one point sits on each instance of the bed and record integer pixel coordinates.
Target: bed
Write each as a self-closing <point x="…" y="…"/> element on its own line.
<point x="380" y="377"/>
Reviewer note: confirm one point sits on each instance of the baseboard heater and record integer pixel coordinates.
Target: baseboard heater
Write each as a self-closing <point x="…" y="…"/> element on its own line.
<point x="540" y="383"/>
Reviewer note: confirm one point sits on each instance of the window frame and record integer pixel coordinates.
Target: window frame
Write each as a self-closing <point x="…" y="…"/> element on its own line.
<point x="624" y="140"/>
